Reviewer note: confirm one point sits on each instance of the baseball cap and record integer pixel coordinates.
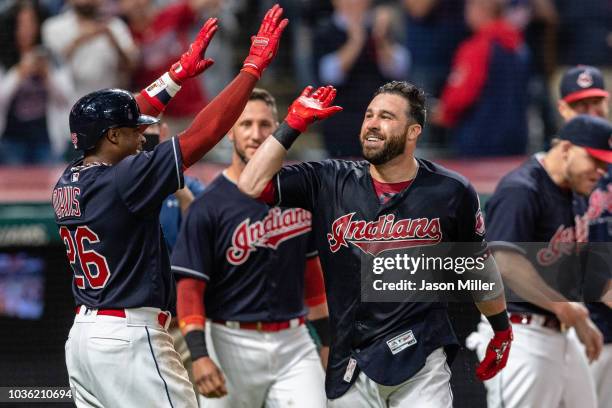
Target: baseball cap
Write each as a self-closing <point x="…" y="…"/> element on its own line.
<point x="582" y="81"/>
<point x="592" y="133"/>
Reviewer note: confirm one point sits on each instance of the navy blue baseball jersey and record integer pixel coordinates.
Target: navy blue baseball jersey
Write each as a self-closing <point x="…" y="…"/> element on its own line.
<point x="253" y="256"/>
<point x="171" y="217"/>
<point x="528" y="207"/>
<point x="389" y="341"/>
<point x="599" y="219"/>
<point x="108" y="218"/>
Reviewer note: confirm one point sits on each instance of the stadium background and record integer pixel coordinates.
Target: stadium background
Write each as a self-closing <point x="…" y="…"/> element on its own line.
<point x="36" y="305"/>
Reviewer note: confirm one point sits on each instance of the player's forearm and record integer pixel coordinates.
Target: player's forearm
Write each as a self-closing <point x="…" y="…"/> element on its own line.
<point x="154" y="98"/>
<point x="318" y="312"/>
<point x="493" y="306"/>
<point x="266" y="162"/>
<point x="520" y="275"/>
<point x="216" y="119"/>
<point x="190" y="304"/>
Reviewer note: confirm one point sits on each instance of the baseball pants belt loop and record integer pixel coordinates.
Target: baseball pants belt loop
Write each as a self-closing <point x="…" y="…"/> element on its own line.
<point x="550" y="322"/>
<point x="263" y="326"/>
<point x="141" y="314"/>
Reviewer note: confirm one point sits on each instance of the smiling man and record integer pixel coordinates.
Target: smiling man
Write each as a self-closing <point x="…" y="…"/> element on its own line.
<point x="533" y="232"/>
<point x="252" y="271"/>
<point x="383" y="354"/>
<point x="107" y="205"/>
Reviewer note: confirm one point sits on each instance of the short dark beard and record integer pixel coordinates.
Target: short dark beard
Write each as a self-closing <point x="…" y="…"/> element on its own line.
<point x="393" y="147"/>
<point x="241" y="155"/>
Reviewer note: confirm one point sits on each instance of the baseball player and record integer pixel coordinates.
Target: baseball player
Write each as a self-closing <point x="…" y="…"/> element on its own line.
<point x="255" y="269"/>
<point x="107" y="205"/>
<point x="582" y="91"/>
<point x="171" y="215"/>
<point x="534" y="204"/>
<point x="383" y="354"/>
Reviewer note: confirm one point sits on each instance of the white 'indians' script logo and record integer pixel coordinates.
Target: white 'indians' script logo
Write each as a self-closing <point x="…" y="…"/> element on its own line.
<point x="374" y="237"/>
<point x="276" y="227"/>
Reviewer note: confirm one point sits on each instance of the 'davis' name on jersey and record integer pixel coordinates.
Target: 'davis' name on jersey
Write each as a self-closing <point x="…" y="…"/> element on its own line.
<point x="269" y="232"/>
<point x="66" y="201"/>
<point x="386" y="233"/>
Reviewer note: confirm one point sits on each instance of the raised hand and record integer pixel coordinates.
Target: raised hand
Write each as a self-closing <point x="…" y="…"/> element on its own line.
<point x="311" y="106"/>
<point x="192" y="63"/>
<point x="264" y="45"/>
<point x="496" y="355"/>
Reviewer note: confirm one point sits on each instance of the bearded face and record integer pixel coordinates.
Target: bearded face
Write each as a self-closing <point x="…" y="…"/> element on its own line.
<point x="379" y="148"/>
<point x="385" y="128"/>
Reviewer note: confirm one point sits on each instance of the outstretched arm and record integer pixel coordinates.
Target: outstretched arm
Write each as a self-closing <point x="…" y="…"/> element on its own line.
<point x="268" y="159"/>
<point x="153" y="99"/>
<point x="520" y="275"/>
<point x="217" y="118"/>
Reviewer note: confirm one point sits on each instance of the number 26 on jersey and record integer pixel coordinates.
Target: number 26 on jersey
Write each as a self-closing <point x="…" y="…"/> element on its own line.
<point x="87" y="264"/>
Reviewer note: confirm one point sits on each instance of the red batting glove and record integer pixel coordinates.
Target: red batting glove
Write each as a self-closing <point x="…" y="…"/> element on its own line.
<point x="496" y="356"/>
<point x="193" y="63"/>
<point x="264" y="45"/>
<point x="310" y="106"/>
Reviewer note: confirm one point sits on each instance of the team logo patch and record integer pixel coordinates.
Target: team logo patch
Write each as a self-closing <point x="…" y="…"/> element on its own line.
<point x="275" y="228"/>
<point x="584" y="80"/>
<point x="260" y="42"/>
<point x="599" y="201"/>
<point x="75" y="177"/>
<point x="384" y="234"/>
<point x="74" y="139"/>
<point x="480" y="224"/>
<point x="401" y="342"/>
<point x="562" y="243"/>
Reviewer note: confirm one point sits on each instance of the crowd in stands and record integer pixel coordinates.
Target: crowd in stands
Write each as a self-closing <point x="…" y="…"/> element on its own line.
<point x="490" y="67"/>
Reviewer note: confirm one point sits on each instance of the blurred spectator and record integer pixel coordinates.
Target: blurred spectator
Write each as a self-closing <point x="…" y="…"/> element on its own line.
<point x="222" y="49"/>
<point x="484" y="102"/>
<point x="162" y="35"/>
<point x="99" y="51"/>
<point x="355" y="51"/>
<point x="586" y="32"/>
<point x="539" y="21"/>
<point x="434" y="29"/>
<point x="303" y="15"/>
<point x="36" y="95"/>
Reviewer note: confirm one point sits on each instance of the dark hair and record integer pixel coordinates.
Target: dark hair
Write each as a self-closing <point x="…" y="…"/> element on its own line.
<point x="413" y="95"/>
<point x="9" y="54"/>
<point x="266" y="97"/>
